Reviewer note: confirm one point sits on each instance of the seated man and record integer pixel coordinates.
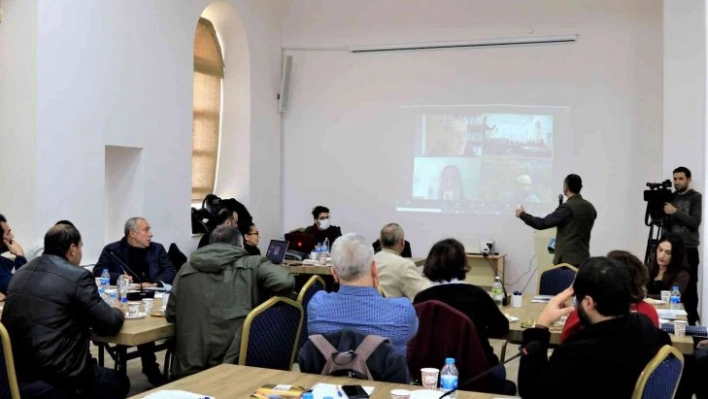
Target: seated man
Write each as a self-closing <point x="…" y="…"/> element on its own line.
<point x="398" y="276"/>
<point x="321" y="229"/>
<point x="212" y="295"/>
<point x="605" y="358"/>
<point x="52" y="308"/>
<point x="358" y="304"/>
<point x="8" y="244"/>
<point x="147" y="263"/>
<point x="251" y="239"/>
<point x="225" y="217"/>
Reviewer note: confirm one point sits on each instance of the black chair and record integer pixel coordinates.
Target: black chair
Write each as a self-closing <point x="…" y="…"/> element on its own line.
<point x="407" y="253"/>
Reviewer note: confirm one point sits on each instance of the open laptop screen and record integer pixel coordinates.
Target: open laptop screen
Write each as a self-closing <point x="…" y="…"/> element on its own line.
<point x="276" y="251"/>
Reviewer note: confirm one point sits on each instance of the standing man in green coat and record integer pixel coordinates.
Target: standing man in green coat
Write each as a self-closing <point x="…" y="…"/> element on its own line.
<point x="211" y="297"/>
<point x="574" y="220"/>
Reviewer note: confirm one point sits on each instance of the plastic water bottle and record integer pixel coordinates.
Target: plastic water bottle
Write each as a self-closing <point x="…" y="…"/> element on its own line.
<point x="325" y="246"/>
<point x="105" y="279"/>
<point x="112" y="297"/>
<point x="497" y="291"/>
<point x="675" y="297"/>
<point x="449" y="376"/>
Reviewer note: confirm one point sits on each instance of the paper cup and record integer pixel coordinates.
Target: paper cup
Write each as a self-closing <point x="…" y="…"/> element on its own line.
<point x="680" y="328"/>
<point x="148" y="304"/>
<point x="665" y="296"/>
<point x="429" y="377"/>
<point x="133" y="309"/>
<point x="517" y="301"/>
<point x="400" y="394"/>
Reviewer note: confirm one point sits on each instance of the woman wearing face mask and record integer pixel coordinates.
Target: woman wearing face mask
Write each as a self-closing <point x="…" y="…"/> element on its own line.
<point x="668" y="267"/>
<point x="640" y="276"/>
<point x="322" y="228"/>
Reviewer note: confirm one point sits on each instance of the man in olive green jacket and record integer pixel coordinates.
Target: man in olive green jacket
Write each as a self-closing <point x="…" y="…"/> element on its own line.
<point x="211" y="297"/>
<point x="574" y="220"/>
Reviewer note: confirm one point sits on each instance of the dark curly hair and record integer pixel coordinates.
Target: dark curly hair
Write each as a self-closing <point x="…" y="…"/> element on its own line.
<point x="446" y="261"/>
<point x="637" y="271"/>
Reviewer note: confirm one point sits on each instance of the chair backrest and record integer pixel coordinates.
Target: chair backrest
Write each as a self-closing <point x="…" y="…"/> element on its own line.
<point x="8" y="378"/>
<point x="314" y="284"/>
<point x="270" y="334"/>
<point x="552" y="280"/>
<point x="661" y="376"/>
<point x="385" y="363"/>
<point x="446" y="332"/>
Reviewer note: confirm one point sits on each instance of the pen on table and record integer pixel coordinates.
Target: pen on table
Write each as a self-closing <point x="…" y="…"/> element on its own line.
<point x="339" y="391"/>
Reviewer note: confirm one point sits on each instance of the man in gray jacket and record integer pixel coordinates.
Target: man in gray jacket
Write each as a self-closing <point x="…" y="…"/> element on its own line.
<point x="211" y="297"/>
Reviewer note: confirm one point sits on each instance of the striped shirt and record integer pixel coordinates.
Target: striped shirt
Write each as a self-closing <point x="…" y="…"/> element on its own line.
<point x="363" y="309"/>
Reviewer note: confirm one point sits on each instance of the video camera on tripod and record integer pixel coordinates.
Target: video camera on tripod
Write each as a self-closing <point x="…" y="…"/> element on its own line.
<point x="656" y="196"/>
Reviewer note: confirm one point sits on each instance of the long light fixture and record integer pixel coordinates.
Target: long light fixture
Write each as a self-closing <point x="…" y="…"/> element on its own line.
<point x="516" y="41"/>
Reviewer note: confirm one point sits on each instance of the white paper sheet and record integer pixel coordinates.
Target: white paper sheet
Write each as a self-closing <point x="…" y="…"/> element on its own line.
<point x="670" y="314"/>
<point x="175" y="394"/>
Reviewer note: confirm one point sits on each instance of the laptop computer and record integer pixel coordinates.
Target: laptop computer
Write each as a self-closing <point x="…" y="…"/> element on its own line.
<point x="301" y="242"/>
<point x="276" y="251"/>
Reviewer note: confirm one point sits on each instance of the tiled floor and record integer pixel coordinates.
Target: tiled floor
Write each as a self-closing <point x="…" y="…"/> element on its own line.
<point x="138" y="382"/>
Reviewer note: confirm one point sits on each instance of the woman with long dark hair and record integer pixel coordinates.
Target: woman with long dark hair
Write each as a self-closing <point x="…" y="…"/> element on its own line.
<point x="668" y="267"/>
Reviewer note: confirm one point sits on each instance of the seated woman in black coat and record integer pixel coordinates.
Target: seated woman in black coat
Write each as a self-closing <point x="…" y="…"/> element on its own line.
<point x="446" y="267"/>
<point x="668" y="267"/>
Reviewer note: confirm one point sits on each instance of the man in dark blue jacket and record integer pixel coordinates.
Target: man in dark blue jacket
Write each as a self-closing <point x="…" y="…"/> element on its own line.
<point x="147" y="263"/>
<point x="8" y="244"/>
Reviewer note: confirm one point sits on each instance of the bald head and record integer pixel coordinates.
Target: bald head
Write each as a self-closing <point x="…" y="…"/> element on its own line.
<point x="392" y="237"/>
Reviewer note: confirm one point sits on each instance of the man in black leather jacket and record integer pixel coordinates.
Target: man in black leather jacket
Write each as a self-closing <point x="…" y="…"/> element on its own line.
<point x="51" y="310"/>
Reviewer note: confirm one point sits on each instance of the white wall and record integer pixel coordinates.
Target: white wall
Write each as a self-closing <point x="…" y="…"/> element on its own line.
<point x="611" y="78"/>
<point x="18" y="117"/>
<point x="120" y="73"/>
<point x="684" y="142"/>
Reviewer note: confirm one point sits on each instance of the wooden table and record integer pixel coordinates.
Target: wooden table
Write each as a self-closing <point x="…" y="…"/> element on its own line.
<point x="297" y="267"/>
<point x="531" y="311"/>
<point x="228" y="381"/>
<point x="133" y="333"/>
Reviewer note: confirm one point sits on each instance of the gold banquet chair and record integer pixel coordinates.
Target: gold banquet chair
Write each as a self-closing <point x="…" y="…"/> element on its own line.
<point x="311" y="287"/>
<point x="661" y="375"/>
<point x="271" y="333"/>
<point x="9" y="389"/>
<point x="554" y="279"/>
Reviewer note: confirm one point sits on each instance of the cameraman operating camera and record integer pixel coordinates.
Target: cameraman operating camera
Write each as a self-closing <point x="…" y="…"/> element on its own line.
<point x="683" y="217"/>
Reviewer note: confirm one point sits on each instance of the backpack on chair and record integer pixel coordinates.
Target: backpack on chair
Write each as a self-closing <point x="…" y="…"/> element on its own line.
<point x="351" y="363"/>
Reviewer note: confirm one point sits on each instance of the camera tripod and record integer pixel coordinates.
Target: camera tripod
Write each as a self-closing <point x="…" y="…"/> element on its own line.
<point x="656" y="229"/>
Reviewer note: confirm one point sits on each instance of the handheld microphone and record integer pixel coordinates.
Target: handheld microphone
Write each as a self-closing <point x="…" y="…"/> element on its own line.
<point x="125" y="267"/>
<point x="530" y="348"/>
<point x="560" y="199"/>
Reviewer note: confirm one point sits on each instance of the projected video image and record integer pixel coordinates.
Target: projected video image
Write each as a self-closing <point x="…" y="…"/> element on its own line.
<point x="446" y="179"/>
<point x="466" y="160"/>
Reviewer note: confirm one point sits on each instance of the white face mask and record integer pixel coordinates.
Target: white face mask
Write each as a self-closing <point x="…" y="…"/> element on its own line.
<point x="324" y="224"/>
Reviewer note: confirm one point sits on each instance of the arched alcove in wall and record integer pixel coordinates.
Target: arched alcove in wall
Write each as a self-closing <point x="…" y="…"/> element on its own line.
<point x="233" y="166"/>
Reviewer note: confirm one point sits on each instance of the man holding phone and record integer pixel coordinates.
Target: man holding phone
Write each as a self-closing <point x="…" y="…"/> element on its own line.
<point x="8" y="244"/>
